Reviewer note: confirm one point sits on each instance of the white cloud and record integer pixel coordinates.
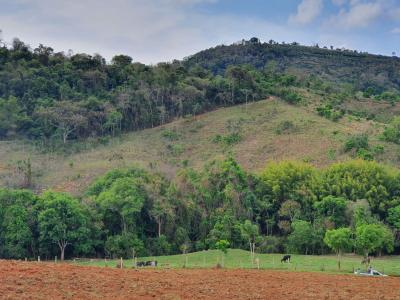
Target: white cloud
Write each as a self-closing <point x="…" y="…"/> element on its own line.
<point x="396" y="30"/>
<point x="149" y="31"/>
<point x="358" y="15"/>
<point x="307" y="11"/>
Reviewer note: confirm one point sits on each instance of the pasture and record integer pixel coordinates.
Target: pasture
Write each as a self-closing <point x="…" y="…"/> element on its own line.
<point x="240" y="259"/>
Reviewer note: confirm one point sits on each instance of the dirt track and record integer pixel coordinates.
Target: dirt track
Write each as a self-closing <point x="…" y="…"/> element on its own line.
<point x="20" y="280"/>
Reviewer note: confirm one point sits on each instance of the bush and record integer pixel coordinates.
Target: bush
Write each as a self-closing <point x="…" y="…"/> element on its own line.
<point x="392" y="132"/>
<point x="285" y="127"/>
<point x="358" y="141"/>
<point x="171" y="135"/>
<point x="290" y="96"/>
<point x="175" y="149"/>
<point x="329" y="112"/>
<point x="227" y="140"/>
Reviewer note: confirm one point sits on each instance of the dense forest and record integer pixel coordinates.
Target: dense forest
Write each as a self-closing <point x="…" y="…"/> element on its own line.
<point x="53" y="97"/>
<point x="290" y="206"/>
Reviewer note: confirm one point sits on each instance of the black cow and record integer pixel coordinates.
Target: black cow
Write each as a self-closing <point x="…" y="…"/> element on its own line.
<point x="148" y="263"/>
<point x="140" y="264"/>
<point x="286" y="258"/>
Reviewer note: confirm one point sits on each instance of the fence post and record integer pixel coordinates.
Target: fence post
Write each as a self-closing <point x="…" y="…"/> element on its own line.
<point x="38" y="258"/>
<point x="121" y="264"/>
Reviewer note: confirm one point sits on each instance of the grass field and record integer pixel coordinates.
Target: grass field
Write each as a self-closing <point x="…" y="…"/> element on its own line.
<point x="236" y="258"/>
<point x="191" y="141"/>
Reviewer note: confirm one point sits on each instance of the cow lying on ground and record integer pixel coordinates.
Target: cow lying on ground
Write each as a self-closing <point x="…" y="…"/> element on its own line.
<point x="286" y="258"/>
<point x="149" y="263"/>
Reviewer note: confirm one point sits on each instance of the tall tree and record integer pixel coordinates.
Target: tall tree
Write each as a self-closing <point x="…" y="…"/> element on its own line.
<point x="62" y="221"/>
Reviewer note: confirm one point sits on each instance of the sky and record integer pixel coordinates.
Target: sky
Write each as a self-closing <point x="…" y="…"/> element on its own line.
<point x="152" y="31"/>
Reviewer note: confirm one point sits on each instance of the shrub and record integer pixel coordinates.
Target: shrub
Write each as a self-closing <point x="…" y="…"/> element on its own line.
<point x="329" y="112"/>
<point x="285" y="127"/>
<point x="392" y="132"/>
<point x="171" y="135"/>
<point x="356" y="142"/>
<point x="227" y="140"/>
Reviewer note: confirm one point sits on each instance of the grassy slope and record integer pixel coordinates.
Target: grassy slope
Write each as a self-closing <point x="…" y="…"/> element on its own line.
<point x="311" y="140"/>
<point x="236" y="258"/>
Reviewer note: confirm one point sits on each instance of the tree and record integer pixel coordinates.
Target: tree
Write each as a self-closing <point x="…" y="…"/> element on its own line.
<point x="17" y="232"/>
<point x="373" y="237"/>
<point x="62" y="221"/>
<point x="394" y="217"/>
<point x="301" y="238"/>
<point x="290" y="209"/>
<point x="121" y="60"/>
<point x="339" y="240"/>
<point x="161" y="206"/>
<point x="222" y="245"/>
<point x="333" y="208"/>
<point x="65" y="116"/>
<point x="250" y="232"/>
<point x="125" y="199"/>
<point x="10" y="116"/>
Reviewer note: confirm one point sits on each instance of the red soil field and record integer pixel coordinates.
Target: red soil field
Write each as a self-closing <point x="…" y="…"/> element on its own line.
<point x="30" y="280"/>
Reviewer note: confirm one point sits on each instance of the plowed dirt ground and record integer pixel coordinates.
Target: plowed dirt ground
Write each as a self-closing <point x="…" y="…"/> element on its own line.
<point x="30" y="280"/>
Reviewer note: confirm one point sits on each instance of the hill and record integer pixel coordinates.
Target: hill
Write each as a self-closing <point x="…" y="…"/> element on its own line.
<point x="337" y="66"/>
<point x="255" y="133"/>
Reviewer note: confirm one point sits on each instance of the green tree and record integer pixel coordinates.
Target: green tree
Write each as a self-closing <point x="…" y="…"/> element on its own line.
<point x="250" y="233"/>
<point x="17" y="232"/>
<point x="334" y="208"/>
<point x="301" y="238"/>
<point x="124" y="199"/>
<point x="62" y="221"/>
<point x="223" y="246"/>
<point x="339" y="240"/>
<point x="373" y="237"/>
<point x="394" y="217"/>
<point x="65" y="116"/>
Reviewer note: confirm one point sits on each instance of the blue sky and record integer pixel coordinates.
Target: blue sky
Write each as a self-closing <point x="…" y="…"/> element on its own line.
<point x="161" y="30"/>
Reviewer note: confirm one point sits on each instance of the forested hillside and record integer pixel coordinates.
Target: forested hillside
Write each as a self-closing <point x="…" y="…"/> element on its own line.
<point x="52" y="97"/>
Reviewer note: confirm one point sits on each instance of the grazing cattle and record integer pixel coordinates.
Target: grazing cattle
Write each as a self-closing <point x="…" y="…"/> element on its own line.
<point x="286" y="258"/>
<point x="148" y="263"/>
<point x="140" y="264"/>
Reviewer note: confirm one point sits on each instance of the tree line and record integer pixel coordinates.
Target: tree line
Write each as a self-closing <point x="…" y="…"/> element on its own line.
<point x="289" y="207"/>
